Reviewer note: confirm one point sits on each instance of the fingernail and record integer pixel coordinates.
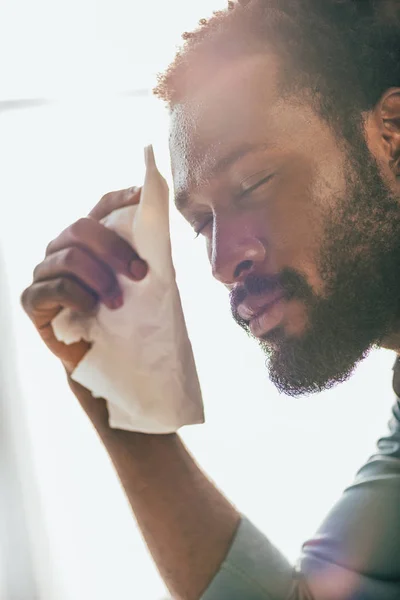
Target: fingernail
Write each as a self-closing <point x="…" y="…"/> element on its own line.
<point x="138" y="269"/>
<point x="116" y="302"/>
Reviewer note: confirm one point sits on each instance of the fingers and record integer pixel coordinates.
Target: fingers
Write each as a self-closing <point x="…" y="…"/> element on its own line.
<point x="43" y="300"/>
<point x="100" y="242"/>
<point x="81" y="265"/>
<point x="114" y="200"/>
<point x="79" y="269"/>
<point x="77" y="263"/>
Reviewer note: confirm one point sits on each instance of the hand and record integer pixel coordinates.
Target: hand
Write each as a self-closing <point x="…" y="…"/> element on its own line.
<point x="79" y="270"/>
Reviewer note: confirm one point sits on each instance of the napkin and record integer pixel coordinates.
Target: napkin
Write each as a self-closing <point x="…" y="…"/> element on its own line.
<point x="141" y="360"/>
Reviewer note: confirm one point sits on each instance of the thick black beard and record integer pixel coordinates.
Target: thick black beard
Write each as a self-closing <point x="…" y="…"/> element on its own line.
<point x="359" y="263"/>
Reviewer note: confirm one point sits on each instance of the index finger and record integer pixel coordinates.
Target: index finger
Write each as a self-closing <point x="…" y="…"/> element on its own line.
<point x="114" y="200"/>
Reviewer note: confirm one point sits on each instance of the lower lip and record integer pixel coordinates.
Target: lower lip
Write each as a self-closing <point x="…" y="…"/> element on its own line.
<point x="271" y="316"/>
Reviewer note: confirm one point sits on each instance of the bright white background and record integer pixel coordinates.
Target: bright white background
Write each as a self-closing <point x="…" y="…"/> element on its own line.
<point x="283" y="462"/>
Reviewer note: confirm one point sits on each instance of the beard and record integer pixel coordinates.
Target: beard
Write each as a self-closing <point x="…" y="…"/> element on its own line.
<point x="359" y="263"/>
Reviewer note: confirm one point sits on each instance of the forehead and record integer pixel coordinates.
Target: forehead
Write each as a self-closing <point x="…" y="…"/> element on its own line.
<point x="236" y="108"/>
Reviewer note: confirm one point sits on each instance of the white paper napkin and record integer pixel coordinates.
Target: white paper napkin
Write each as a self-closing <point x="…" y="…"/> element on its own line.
<point x="141" y="360"/>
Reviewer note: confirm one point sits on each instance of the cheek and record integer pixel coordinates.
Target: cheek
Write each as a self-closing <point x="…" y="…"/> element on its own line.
<point x="293" y="246"/>
<point x="299" y="250"/>
<point x="296" y="225"/>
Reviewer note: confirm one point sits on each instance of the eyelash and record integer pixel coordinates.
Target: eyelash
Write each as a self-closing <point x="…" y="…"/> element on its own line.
<point x="244" y="193"/>
<point x="198" y="231"/>
<point x="255" y="186"/>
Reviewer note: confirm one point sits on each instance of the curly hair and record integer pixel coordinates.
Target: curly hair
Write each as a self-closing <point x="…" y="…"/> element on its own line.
<point x="345" y="53"/>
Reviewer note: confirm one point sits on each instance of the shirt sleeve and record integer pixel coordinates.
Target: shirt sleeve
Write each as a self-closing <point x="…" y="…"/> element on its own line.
<point x="355" y="554"/>
<point x="253" y="569"/>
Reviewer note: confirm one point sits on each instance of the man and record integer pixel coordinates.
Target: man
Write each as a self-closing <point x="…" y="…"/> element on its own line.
<point x="285" y="149"/>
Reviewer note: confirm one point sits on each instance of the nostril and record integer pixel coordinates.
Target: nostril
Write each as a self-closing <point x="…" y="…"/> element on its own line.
<point x="245" y="265"/>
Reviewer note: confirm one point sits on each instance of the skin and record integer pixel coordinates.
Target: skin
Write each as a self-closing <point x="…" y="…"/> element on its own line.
<point x="323" y="228"/>
<point x="186" y="522"/>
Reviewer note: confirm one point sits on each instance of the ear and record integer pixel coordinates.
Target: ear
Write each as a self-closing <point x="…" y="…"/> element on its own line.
<point x="388" y="114"/>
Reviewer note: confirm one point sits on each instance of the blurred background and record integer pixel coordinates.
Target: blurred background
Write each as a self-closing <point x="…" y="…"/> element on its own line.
<point x="76" y="111"/>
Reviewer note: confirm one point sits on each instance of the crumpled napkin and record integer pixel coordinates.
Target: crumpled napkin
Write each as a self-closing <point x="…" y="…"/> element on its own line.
<point x="141" y="360"/>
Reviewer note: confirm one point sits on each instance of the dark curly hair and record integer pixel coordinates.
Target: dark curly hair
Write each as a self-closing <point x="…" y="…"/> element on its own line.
<point x="345" y="53"/>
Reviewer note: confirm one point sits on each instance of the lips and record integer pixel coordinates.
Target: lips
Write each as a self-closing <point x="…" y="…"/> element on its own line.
<point x="253" y="307"/>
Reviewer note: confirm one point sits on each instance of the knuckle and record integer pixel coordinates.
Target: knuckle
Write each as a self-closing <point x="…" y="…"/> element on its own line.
<point x="106" y="203"/>
<point x="113" y="200"/>
<point x="36" y="271"/>
<point x="31" y="297"/>
<point x="79" y="228"/>
<point x="70" y="257"/>
<point x="25" y="298"/>
<point x="62" y="286"/>
<point x="49" y="248"/>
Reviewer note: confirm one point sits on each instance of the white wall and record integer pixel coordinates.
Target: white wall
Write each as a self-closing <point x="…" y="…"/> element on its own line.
<point x="281" y="461"/>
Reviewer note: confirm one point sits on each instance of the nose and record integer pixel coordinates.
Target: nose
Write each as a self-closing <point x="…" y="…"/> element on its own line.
<point x="236" y="251"/>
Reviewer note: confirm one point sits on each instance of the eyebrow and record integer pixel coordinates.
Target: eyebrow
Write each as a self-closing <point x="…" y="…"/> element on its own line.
<point x="182" y="198"/>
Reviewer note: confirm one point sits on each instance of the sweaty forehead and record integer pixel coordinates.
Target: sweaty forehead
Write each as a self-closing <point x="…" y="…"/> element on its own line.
<point x="234" y="108"/>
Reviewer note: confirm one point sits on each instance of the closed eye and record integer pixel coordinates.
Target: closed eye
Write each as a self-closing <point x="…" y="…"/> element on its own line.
<point x="244" y="192"/>
<point x="199" y="229"/>
<point x="251" y="188"/>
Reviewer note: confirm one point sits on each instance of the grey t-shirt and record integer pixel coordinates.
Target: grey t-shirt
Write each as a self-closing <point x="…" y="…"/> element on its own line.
<point x="355" y="554"/>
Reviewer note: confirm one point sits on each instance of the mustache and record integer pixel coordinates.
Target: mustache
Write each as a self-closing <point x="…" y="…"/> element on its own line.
<point x="254" y="285"/>
<point x="290" y="283"/>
